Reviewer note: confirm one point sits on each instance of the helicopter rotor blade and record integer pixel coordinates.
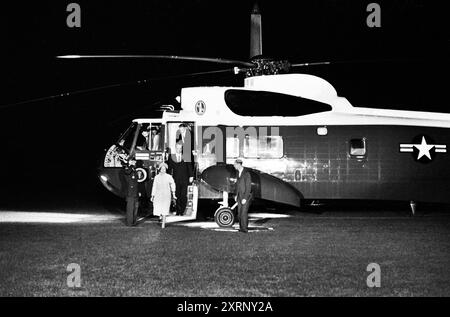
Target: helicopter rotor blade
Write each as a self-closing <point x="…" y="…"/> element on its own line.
<point x="361" y="61"/>
<point x="117" y="85"/>
<point x="310" y="64"/>
<point x="168" y="57"/>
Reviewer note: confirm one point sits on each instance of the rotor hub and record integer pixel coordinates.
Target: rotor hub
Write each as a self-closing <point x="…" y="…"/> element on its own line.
<point x="267" y="66"/>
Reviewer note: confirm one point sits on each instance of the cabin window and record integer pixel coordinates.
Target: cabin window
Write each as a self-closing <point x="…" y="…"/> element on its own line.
<point x="250" y="147"/>
<point x="267" y="147"/>
<point x="232" y="147"/>
<point x="358" y="147"/>
<point x="270" y="147"/>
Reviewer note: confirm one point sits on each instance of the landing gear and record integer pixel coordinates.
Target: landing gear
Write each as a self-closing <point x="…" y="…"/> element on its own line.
<point x="413" y="208"/>
<point x="224" y="216"/>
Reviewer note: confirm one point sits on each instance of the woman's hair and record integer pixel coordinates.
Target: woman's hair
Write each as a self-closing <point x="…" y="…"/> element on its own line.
<point x="161" y="165"/>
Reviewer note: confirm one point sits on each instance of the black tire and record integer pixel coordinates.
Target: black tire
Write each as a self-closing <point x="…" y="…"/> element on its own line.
<point x="224" y="217"/>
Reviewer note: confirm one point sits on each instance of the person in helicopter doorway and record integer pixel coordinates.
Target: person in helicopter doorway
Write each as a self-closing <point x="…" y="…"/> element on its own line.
<point x="155" y="139"/>
<point x="183" y="174"/>
<point x="132" y="193"/>
<point x="185" y="136"/>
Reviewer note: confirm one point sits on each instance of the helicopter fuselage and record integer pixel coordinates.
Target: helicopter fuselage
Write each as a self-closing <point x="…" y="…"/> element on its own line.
<point x="323" y="149"/>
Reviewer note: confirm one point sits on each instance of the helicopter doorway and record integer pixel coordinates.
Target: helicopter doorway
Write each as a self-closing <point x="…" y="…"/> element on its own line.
<point x="183" y="133"/>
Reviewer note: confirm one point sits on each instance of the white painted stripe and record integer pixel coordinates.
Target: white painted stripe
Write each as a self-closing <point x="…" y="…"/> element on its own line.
<point x="441" y="151"/>
<point x="406" y="145"/>
<point x="440" y="146"/>
<point x="407" y="150"/>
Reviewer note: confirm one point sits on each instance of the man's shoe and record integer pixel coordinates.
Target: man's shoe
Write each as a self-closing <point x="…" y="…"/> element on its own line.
<point x="244" y="231"/>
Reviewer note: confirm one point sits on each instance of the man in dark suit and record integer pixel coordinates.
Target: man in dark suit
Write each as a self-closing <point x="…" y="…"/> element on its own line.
<point x="132" y="193"/>
<point x="243" y="194"/>
<point x="185" y="137"/>
<point x="182" y="174"/>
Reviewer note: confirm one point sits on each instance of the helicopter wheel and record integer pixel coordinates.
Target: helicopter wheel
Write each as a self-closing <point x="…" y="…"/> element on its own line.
<point x="224" y="217"/>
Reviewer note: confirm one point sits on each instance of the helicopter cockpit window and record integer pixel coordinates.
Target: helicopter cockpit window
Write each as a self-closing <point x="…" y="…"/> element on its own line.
<point x="143" y="139"/>
<point x="155" y="139"/>
<point x="126" y="141"/>
<point x="118" y="153"/>
<point x="264" y="103"/>
<point x="150" y="137"/>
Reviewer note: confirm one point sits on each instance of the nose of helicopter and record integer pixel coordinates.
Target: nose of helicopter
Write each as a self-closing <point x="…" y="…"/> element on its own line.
<point x="113" y="180"/>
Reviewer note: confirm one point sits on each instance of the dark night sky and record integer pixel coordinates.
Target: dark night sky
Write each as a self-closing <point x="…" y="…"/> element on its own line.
<point x="55" y="144"/>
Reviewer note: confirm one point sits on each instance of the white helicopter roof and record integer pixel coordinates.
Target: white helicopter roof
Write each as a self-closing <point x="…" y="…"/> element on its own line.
<point x="208" y="106"/>
<point x="300" y="85"/>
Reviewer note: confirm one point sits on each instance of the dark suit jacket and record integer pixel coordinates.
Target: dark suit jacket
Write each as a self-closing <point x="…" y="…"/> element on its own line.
<point x="244" y="185"/>
<point x="188" y="144"/>
<point x="180" y="171"/>
<point x="131" y="179"/>
<point x="189" y="137"/>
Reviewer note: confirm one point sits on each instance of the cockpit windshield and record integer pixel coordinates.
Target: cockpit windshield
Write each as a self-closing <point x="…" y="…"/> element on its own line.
<point x="149" y="137"/>
<point x="126" y="140"/>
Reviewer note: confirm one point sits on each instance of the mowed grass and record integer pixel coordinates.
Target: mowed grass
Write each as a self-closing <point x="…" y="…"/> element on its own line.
<point x="303" y="256"/>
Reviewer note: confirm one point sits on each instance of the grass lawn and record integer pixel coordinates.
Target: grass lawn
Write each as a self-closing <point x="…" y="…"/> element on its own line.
<point x="302" y="256"/>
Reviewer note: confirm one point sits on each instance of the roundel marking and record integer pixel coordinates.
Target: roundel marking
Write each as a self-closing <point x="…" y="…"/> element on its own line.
<point x="200" y="107"/>
<point x="142" y="174"/>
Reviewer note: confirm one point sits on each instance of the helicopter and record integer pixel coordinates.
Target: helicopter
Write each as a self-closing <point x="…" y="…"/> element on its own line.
<point x="299" y="139"/>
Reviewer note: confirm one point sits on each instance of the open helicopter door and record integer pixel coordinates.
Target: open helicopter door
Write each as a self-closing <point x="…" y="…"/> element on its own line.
<point x="184" y="132"/>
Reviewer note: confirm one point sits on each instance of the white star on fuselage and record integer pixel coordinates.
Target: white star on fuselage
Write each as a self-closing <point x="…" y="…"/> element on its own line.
<point x="424" y="149"/>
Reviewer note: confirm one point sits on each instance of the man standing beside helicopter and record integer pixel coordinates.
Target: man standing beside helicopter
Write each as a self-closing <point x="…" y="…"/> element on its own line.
<point x="243" y="194"/>
<point x="132" y="193"/>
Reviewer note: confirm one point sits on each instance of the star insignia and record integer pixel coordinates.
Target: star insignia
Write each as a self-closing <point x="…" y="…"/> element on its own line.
<point x="424" y="149"/>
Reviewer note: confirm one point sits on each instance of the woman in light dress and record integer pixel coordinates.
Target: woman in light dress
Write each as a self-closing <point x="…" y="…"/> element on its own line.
<point x="163" y="190"/>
